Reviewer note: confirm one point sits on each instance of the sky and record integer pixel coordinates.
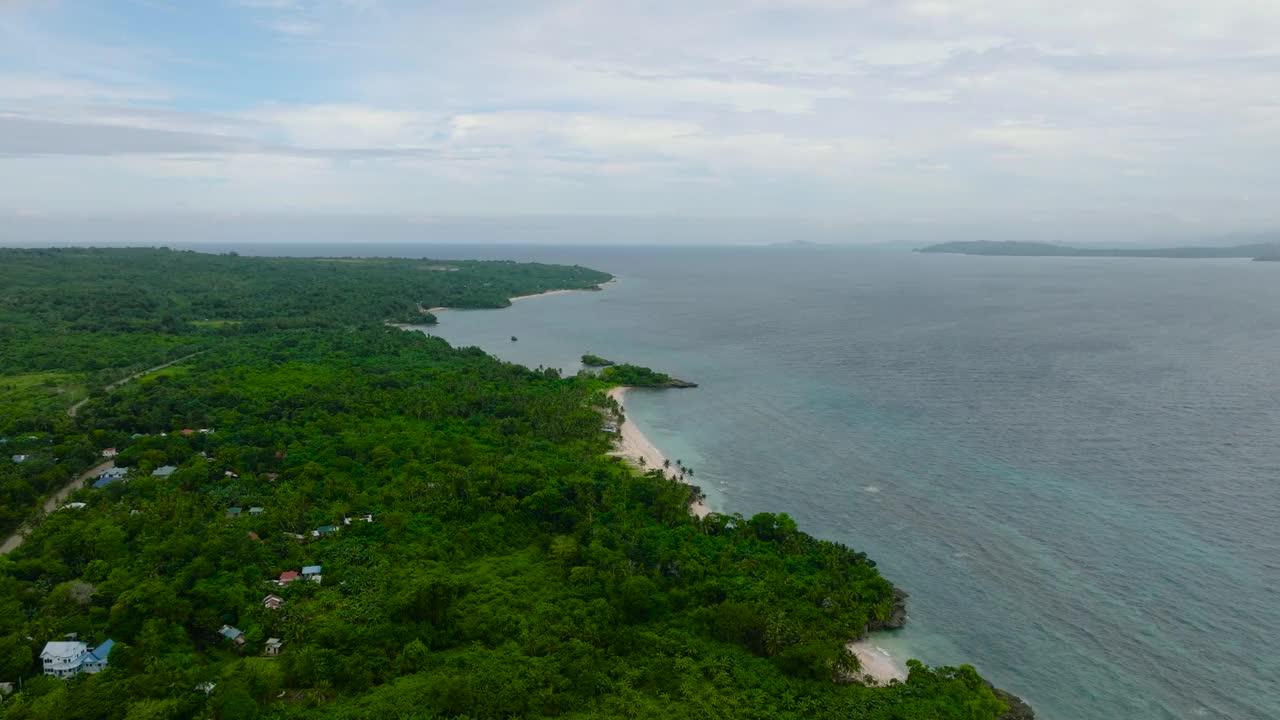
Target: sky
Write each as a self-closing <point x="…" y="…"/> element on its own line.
<point x="1014" y="118"/>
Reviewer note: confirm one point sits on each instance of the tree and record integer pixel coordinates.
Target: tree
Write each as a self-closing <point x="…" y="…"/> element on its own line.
<point x="15" y="658"/>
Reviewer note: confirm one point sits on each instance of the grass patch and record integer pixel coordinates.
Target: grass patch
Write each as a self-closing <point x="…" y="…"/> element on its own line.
<point x="39" y="393"/>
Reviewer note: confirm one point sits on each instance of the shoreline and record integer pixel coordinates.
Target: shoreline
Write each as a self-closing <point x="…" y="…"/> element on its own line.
<point x="554" y="292"/>
<point x="434" y="310"/>
<point x="633" y="445"/>
<point x="875" y="663"/>
<point x="876" y="666"/>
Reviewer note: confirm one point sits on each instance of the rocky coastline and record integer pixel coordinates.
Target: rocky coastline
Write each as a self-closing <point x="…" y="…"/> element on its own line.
<point x="897" y="619"/>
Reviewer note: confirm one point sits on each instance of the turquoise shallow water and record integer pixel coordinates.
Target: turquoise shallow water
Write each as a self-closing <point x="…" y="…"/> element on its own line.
<point x="1070" y="464"/>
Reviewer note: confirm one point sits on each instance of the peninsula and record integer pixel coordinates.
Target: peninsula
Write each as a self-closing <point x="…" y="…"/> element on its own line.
<point x="316" y="515"/>
<point x="1035" y="249"/>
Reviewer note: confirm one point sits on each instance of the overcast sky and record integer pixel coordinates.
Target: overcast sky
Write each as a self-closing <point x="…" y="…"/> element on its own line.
<point x="1139" y="116"/>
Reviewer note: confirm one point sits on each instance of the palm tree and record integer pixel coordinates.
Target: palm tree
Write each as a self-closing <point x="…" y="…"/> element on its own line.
<point x="642" y="461"/>
<point x="690" y="471"/>
<point x="666" y="463"/>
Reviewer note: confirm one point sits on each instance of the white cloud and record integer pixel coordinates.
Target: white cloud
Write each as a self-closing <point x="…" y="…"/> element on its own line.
<point x="818" y="107"/>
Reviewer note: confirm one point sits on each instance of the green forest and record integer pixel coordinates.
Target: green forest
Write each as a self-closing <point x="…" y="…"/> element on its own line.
<point x="466" y="548"/>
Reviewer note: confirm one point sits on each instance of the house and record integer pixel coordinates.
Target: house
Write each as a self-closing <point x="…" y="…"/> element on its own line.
<point x="324" y="530"/>
<point x="609" y="428"/>
<point x="188" y="431"/>
<point x="205" y="431"/>
<point x="164" y="471"/>
<point x="20" y="458"/>
<point x="363" y="518"/>
<point x="273" y="646"/>
<point x="109" y="453"/>
<point x="230" y="474"/>
<point x="256" y="511"/>
<point x="295" y="536"/>
<point x="115" y="473"/>
<point x="6" y="688"/>
<point x="110" y="475"/>
<point x="273" y="602"/>
<point x="287" y="577"/>
<point x="233" y="513"/>
<point x="96" y="660"/>
<point x="232" y="634"/>
<point x="312" y="572"/>
<point x="254" y="536"/>
<point x="65" y="658"/>
<point x="62" y="659"/>
<point x="74" y="506"/>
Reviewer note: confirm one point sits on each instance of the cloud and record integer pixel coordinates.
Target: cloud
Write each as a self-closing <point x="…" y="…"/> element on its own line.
<point x="820" y="108"/>
<point x="21" y="136"/>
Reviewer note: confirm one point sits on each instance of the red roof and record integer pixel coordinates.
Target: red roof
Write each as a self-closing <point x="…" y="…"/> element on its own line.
<point x="253" y="535"/>
<point x="288" y="576"/>
<point x="188" y="431"/>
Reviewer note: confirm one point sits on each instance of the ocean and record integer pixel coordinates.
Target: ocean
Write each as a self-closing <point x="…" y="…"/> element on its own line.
<point x="1071" y="464"/>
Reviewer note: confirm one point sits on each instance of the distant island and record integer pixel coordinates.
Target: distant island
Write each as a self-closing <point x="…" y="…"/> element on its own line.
<point x="1270" y="251"/>
<point x="595" y="361"/>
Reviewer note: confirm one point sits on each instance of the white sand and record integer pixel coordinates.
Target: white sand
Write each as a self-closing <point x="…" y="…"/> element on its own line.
<point x="878" y="666"/>
<point x="548" y="293"/>
<point x="633" y="445"/>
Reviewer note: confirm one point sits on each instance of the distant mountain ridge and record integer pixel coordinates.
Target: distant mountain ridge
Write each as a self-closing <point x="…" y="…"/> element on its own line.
<point x="1260" y="251"/>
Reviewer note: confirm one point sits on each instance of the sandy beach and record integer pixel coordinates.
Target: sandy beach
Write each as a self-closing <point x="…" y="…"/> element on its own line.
<point x="877" y="665"/>
<point x="551" y="292"/>
<point x="633" y="445"/>
<point x="434" y="310"/>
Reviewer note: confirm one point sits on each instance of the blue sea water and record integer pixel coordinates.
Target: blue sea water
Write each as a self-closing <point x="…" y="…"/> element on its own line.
<point x="1071" y="464"/>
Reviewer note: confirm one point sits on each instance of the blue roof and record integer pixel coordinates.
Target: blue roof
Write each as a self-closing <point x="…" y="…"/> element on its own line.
<point x="230" y="632"/>
<point x="101" y="652"/>
<point x="104" y="481"/>
<point x="311" y="570"/>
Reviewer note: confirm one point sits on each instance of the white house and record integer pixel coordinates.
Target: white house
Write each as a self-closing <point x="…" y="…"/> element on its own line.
<point x="273" y="646"/>
<point x="66" y="658"/>
<point x="20" y="458"/>
<point x="109" y="453"/>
